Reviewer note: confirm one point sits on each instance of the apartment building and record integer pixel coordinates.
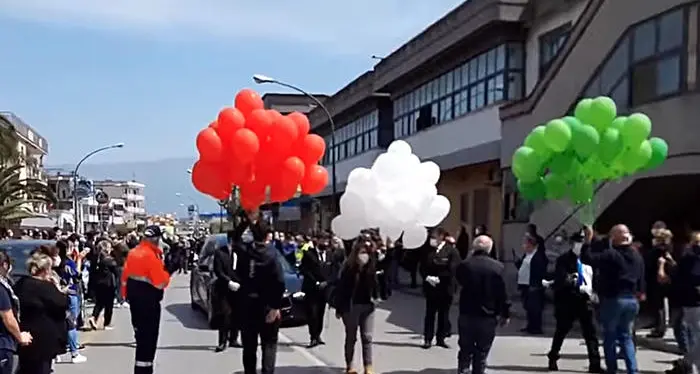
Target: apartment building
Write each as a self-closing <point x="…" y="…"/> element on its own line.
<point x="61" y="183"/>
<point x="127" y="196"/>
<point x="644" y="54"/>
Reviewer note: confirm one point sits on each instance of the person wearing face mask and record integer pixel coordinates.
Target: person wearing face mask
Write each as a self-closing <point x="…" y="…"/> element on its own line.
<point x="316" y="267"/>
<point x="572" y="302"/>
<point x="438" y="270"/>
<point x="621" y="280"/>
<point x="261" y="291"/>
<point x="355" y="297"/>
<point x="143" y="284"/>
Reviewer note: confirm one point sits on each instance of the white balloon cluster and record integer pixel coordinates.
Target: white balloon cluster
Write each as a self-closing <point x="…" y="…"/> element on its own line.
<point x="397" y="195"/>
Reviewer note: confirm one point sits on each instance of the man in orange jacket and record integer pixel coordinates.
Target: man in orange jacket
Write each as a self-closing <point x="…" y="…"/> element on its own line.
<point x="143" y="283"/>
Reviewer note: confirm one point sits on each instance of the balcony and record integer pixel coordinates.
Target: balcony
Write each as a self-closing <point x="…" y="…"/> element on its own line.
<point x="135" y="210"/>
<point x="133" y="197"/>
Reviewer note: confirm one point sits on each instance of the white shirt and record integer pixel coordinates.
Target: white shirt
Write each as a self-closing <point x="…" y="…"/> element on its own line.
<point x="524" y="271"/>
<point x="321" y="256"/>
<point x="234" y="260"/>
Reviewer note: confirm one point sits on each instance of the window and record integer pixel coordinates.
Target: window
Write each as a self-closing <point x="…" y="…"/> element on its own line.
<point x="550" y="45"/>
<point x="464" y="207"/>
<point x="356" y="137"/>
<point x="646" y="64"/>
<point x="485" y="79"/>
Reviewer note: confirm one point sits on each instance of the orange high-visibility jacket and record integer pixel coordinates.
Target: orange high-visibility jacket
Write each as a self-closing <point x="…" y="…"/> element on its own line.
<point x="144" y="268"/>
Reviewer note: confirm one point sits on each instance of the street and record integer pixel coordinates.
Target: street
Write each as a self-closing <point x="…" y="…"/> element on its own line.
<point x="186" y="346"/>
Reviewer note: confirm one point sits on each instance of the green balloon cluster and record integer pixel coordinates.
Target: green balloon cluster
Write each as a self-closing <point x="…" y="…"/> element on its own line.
<point x="567" y="157"/>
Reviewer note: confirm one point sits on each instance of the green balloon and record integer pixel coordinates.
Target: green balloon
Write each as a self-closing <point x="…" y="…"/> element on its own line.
<point x="573" y="122"/>
<point x="555" y="186"/>
<point x="532" y="191"/>
<point x="526" y="164"/>
<point x="619" y="123"/>
<point x="536" y="139"/>
<point x="603" y="112"/>
<point x="585" y="141"/>
<point x="610" y="145"/>
<point x="659" y="153"/>
<point x="575" y="171"/>
<point x="636" y="129"/>
<point x="581" y="192"/>
<point x="561" y="163"/>
<point x="584" y="111"/>
<point x="635" y="158"/>
<point x="558" y="135"/>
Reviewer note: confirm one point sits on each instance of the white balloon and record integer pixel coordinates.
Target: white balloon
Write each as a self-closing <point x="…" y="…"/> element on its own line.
<point x="345" y="227"/>
<point x="391" y="232"/>
<point x="414" y="236"/>
<point x="387" y="167"/>
<point x="352" y="205"/>
<point x="436" y="212"/>
<point x="429" y="172"/>
<point x="400" y="147"/>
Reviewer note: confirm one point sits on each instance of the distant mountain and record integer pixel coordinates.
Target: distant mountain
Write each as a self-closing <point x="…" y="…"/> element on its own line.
<point x="163" y="180"/>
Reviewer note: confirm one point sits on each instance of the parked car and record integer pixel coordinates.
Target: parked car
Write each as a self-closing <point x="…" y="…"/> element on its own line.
<point x="19" y="251"/>
<point x="202" y="279"/>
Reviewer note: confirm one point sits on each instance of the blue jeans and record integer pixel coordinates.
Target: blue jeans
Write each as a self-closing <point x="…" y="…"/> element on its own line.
<point x="617" y="316"/>
<point x="681" y="331"/>
<point x="74" y="308"/>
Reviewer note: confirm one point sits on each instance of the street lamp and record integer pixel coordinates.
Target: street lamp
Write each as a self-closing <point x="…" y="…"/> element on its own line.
<point x="263" y="79"/>
<point x="78" y="222"/>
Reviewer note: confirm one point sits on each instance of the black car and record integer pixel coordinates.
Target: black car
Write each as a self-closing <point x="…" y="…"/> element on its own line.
<point x="202" y="279"/>
<point x="19" y="251"/>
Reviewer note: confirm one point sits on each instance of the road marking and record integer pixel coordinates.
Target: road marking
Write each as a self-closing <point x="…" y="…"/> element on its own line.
<point x="313" y="359"/>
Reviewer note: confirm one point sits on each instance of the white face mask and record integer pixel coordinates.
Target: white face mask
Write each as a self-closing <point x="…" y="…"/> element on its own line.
<point x="56" y="261"/>
<point x="576" y="248"/>
<point x="434" y="242"/>
<point x="363" y="258"/>
<point x="247" y="236"/>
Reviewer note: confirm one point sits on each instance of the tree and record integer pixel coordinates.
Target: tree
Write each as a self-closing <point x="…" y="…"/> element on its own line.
<point x="17" y="195"/>
<point x="9" y="154"/>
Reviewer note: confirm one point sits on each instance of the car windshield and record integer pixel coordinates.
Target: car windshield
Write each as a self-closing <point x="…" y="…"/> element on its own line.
<point x="19" y="253"/>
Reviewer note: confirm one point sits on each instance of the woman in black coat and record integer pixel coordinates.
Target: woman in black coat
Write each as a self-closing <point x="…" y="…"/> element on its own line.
<point x="105" y="285"/>
<point x="43" y="307"/>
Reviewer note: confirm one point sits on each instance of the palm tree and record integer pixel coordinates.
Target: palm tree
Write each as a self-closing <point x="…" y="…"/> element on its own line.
<point x="17" y="195"/>
<point x="8" y="142"/>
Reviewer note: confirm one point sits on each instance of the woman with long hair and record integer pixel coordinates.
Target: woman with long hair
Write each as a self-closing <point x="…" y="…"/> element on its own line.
<point x="105" y="278"/>
<point x="70" y="279"/>
<point x="354" y="300"/>
<point x="43" y="306"/>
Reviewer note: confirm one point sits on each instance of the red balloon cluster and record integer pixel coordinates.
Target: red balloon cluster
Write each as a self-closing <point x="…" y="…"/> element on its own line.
<point x="258" y="149"/>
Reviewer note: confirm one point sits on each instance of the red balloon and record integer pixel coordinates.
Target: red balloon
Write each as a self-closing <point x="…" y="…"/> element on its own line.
<point x="284" y="134"/>
<point x="311" y="149"/>
<point x="302" y="122"/>
<point x="229" y="121"/>
<point x="292" y="171"/>
<point x="207" y="178"/>
<point x="209" y="145"/>
<point x="214" y="124"/>
<point x="251" y="203"/>
<point x="260" y="122"/>
<point x="248" y="100"/>
<point x="281" y="191"/>
<point x="254" y="190"/>
<point x="240" y="174"/>
<point x="274" y="114"/>
<point x="244" y="146"/>
<point x="315" y="179"/>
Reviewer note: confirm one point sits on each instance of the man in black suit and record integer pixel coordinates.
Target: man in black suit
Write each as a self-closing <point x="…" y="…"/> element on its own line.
<point x="532" y="269"/>
<point x="483" y="305"/>
<point x="317" y="268"/>
<point x="572" y="303"/>
<point x="438" y="271"/>
<point x="224" y="303"/>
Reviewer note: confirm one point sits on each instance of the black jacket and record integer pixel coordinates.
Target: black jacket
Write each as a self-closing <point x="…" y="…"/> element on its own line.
<point x="538" y="267"/>
<point x="483" y="290"/>
<point x="106" y="272"/>
<point x="686" y="278"/>
<point x="565" y="287"/>
<point x="619" y="271"/>
<point x="350" y="283"/>
<point x="316" y="271"/>
<point x="441" y="264"/>
<point x="223" y="270"/>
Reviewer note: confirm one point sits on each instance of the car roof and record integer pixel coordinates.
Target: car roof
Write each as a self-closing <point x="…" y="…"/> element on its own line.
<point x="27" y="242"/>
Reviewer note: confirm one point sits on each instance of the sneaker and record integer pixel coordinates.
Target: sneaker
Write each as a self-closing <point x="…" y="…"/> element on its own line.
<point x="92" y="323"/>
<point x="78" y="359"/>
<point x="125" y="304"/>
<point x="109" y="328"/>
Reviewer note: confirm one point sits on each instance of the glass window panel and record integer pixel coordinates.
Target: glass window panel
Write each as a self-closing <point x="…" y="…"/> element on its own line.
<point x="457" y="78"/>
<point x="442" y="88"/>
<point x="515" y="56"/>
<point x="671" y="28"/>
<point x="373" y="141"/>
<point x="515" y="85"/>
<point x="464" y="101"/>
<point x="446" y="109"/>
<point x="397" y="127"/>
<point x="423" y="95"/>
<point x="490" y="91"/>
<point x="473" y="66"/>
<point x="482" y="66"/>
<point x="449" y="80"/>
<point x="413" y="126"/>
<point x="500" y="58"/>
<point x="499" y="89"/>
<point x="351" y="147"/>
<point x="668" y="75"/>
<point x="476" y="94"/>
<point x="491" y="61"/>
<point x="643" y="82"/>
<point x="430" y="91"/>
<point x="434" y="114"/>
<point x="615" y="67"/>
<point x="415" y="101"/>
<point x="395" y="107"/>
<point x="621" y="95"/>
<point x="593" y="89"/>
<point x="644" y="37"/>
<point x="457" y="105"/>
<point x="465" y="75"/>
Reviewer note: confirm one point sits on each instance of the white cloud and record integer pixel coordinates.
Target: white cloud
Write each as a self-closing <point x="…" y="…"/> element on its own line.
<point x="377" y="26"/>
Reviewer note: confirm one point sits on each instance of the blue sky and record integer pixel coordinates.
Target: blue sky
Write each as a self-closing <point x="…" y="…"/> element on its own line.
<point x="151" y="73"/>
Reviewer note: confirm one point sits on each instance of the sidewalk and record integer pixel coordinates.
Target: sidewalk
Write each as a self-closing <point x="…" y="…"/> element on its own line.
<point x="665" y="344"/>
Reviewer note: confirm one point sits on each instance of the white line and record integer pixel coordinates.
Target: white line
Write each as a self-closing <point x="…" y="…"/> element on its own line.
<point x="284" y="339"/>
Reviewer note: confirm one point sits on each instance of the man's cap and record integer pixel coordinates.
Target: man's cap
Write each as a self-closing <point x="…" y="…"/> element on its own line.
<point x="152" y="231"/>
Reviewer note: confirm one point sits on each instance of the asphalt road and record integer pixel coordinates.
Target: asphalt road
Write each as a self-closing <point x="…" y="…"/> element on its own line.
<point x="186" y="346"/>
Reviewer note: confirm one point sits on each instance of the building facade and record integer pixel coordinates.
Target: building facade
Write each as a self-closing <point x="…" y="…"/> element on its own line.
<point x="128" y="197"/>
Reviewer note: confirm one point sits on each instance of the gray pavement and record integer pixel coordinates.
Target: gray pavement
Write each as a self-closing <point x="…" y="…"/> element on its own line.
<point x="186" y="346"/>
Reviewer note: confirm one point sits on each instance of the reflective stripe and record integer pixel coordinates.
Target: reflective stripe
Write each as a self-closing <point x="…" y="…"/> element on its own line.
<point x="143" y="364"/>
<point x="146" y="280"/>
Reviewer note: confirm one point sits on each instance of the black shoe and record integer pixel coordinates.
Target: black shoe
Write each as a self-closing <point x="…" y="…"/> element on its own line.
<point x="441" y="343"/>
<point x="596" y="369"/>
<point x="235" y="344"/>
<point x="313" y="343"/>
<point x="320" y="341"/>
<point x="552" y="365"/>
<point x="220" y="348"/>
<point x="427" y="345"/>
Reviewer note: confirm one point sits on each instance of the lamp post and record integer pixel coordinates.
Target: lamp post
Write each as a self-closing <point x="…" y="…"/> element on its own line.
<point x="262" y="79"/>
<point x="78" y="222"/>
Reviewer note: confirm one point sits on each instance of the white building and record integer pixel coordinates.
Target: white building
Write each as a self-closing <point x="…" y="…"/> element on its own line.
<point x="126" y="194"/>
<point x="62" y="185"/>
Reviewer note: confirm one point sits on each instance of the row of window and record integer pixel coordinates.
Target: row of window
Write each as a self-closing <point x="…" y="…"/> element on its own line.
<point x="353" y="138"/>
<point x="488" y="78"/>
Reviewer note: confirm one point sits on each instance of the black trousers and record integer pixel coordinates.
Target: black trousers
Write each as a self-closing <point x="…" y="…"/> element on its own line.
<point x="315" y="312"/>
<point x="253" y="326"/>
<point x="104" y="300"/>
<point x="31" y="366"/>
<point x="145" y="318"/>
<point x="7" y="361"/>
<point x="437" y="304"/>
<point x="230" y="322"/>
<point x="566" y="315"/>
<point x="476" y="334"/>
